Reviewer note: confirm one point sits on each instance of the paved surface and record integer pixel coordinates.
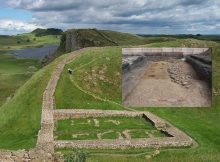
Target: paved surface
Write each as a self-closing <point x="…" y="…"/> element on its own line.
<point x="165" y="83"/>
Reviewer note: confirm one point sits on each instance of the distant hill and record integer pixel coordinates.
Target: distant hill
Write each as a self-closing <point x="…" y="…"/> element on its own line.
<point x="74" y="39"/>
<point x="50" y="31"/>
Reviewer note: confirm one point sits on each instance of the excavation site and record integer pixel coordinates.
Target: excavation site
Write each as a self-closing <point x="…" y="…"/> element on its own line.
<point x="166" y="77"/>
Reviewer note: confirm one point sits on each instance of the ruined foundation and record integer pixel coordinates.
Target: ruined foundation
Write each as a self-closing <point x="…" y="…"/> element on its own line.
<point x="148" y="73"/>
<point x="176" y="137"/>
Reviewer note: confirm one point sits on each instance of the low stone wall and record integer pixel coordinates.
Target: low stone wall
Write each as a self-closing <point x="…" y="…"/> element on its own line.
<point x="124" y="144"/>
<point x="158" y="55"/>
<point x="131" y="61"/>
<point x="185" y="51"/>
<point x="45" y="135"/>
<point x="61" y="114"/>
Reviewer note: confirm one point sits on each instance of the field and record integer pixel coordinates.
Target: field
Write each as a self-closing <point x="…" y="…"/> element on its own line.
<point x="15" y="72"/>
<point x="105" y="128"/>
<point x="24" y="41"/>
<point x="77" y="91"/>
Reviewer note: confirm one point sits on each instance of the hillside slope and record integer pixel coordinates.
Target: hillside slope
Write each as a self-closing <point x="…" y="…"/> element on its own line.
<point x="20" y="119"/>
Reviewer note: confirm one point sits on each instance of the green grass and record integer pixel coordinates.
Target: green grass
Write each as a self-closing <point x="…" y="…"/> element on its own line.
<point x="84" y="128"/>
<point x="13" y="74"/>
<point x="95" y="82"/>
<point x="139" y="155"/>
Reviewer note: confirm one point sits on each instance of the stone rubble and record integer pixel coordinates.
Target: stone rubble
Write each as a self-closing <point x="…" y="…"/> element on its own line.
<point x="178" y="76"/>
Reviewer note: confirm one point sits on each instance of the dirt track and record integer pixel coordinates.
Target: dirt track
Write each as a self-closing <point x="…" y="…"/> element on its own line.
<point x="166" y="83"/>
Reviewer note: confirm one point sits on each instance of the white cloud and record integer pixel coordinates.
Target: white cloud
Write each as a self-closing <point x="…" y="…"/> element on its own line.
<point x="177" y="15"/>
<point x="10" y="26"/>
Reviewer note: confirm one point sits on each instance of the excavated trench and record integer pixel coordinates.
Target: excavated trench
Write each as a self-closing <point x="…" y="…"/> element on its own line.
<point x="179" y="77"/>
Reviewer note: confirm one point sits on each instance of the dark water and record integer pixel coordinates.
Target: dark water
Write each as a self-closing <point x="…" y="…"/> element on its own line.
<point x="35" y="53"/>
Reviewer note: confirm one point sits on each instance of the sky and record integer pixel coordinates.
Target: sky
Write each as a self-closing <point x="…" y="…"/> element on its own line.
<point x="133" y="16"/>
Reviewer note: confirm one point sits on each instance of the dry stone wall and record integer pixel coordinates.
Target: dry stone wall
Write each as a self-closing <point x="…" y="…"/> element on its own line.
<point x="45" y="135"/>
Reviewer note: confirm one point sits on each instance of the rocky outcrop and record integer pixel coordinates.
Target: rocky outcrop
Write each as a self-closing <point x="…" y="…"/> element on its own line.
<point x="80" y="38"/>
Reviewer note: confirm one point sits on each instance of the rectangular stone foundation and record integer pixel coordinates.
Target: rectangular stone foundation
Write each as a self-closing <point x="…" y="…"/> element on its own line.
<point x="176" y="137"/>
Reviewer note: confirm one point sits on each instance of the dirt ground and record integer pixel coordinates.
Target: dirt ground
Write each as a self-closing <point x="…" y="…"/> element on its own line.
<point x="167" y="84"/>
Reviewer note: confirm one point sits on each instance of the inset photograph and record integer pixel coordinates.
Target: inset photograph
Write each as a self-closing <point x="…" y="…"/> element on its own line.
<point x="166" y="77"/>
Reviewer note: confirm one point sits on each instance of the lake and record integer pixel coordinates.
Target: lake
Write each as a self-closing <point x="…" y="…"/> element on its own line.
<point x="35" y="53"/>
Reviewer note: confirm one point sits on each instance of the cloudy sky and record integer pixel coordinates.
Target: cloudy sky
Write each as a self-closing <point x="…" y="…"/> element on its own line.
<point x="135" y="16"/>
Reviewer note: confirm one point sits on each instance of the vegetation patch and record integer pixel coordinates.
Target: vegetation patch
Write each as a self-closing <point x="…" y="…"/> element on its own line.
<point x="125" y="155"/>
<point x="13" y="74"/>
<point x="20" y="117"/>
<point x="107" y="128"/>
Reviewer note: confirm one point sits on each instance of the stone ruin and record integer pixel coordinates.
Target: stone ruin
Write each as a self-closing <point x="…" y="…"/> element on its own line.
<point x="135" y="58"/>
<point x="175" y="138"/>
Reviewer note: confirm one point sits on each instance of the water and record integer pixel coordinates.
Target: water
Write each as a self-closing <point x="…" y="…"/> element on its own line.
<point x="35" y="53"/>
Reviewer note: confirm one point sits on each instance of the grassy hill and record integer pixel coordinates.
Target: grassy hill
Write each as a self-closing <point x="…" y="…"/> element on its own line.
<point x="27" y="40"/>
<point x="89" y="88"/>
<point x="50" y="31"/>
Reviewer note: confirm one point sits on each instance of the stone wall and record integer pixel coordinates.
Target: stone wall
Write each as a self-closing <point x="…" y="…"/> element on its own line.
<point x="202" y="63"/>
<point x="185" y="51"/>
<point x="128" y="63"/>
<point x="60" y="114"/>
<point x="45" y="140"/>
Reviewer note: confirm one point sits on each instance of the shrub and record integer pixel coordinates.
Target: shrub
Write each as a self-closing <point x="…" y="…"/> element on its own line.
<point x="75" y="157"/>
